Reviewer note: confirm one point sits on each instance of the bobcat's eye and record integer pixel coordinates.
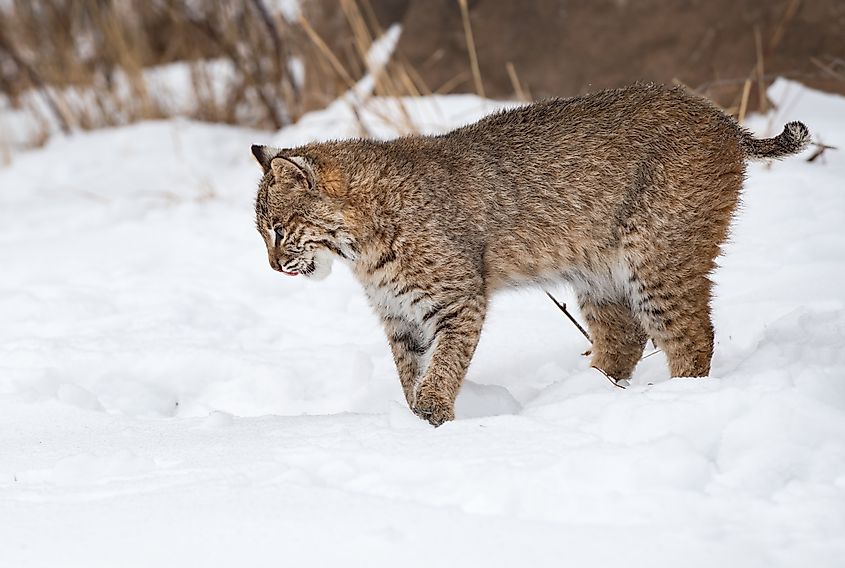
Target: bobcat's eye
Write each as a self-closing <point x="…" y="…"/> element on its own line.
<point x="279" y="235"/>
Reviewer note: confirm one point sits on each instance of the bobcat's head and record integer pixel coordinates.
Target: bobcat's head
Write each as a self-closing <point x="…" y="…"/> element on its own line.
<point x="299" y="213"/>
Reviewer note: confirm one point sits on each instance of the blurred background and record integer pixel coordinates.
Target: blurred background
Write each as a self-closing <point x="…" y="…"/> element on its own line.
<point x="68" y="65"/>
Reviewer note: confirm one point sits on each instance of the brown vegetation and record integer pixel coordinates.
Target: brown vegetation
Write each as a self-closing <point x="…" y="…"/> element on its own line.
<point x="78" y="64"/>
<point x="570" y="47"/>
<point x="102" y="49"/>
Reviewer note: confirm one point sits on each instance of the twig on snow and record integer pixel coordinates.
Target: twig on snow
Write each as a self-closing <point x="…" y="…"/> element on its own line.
<point x="562" y="307"/>
<point x="655" y="352"/>
<point x="621" y="384"/>
<point x="820" y="149"/>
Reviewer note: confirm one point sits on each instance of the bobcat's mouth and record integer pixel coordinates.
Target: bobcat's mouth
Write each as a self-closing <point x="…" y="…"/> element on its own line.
<point x="301" y="269"/>
<point x="315" y="268"/>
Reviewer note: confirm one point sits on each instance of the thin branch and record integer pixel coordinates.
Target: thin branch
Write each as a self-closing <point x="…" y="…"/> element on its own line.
<point x="278" y="48"/>
<point x="270" y="26"/>
<point x="820" y="149"/>
<point x="655" y="352"/>
<point x="614" y="382"/>
<point x="830" y="69"/>
<point x="562" y="307"/>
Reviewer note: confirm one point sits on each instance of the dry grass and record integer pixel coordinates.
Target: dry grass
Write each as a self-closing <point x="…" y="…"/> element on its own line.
<point x="473" y="55"/>
<point x="78" y="64"/>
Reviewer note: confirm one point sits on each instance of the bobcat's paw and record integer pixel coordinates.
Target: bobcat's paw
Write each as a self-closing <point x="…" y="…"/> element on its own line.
<point x="433" y="406"/>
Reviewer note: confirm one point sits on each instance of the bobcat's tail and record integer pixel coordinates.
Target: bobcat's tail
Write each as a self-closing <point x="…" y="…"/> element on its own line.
<point x="794" y="138"/>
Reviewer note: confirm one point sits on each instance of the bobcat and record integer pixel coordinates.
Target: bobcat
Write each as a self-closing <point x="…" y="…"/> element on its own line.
<point x="625" y="194"/>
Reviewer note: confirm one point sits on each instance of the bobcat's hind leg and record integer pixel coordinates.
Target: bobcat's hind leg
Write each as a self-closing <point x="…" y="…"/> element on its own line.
<point x="676" y="314"/>
<point x="618" y="338"/>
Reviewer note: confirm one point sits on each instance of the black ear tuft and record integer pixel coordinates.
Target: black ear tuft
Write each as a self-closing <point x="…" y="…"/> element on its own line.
<point x="264" y="155"/>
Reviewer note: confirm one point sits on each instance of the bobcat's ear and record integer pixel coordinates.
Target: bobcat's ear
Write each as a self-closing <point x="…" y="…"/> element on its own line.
<point x="264" y="155"/>
<point x="282" y="165"/>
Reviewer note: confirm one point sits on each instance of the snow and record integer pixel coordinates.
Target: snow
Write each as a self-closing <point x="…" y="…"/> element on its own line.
<point x="172" y="88"/>
<point x="168" y="400"/>
<point x="289" y="9"/>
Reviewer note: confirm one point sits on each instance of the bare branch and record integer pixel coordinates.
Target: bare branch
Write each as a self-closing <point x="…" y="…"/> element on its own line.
<point x="562" y="308"/>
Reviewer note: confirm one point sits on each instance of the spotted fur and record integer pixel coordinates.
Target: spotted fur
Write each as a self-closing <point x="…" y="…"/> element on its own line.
<point x="626" y="194"/>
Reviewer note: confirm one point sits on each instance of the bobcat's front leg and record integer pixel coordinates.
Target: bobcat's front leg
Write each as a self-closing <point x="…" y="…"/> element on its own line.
<point x="408" y="345"/>
<point x="456" y="328"/>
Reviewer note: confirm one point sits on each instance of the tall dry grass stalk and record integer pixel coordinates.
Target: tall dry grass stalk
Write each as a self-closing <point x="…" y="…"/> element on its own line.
<point x="518" y="90"/>
<point x="743" y="102"/>
<point x="473" y="55"/>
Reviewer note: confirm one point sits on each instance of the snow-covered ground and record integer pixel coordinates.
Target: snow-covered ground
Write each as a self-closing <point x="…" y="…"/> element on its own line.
<point x="168" y="400"/>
